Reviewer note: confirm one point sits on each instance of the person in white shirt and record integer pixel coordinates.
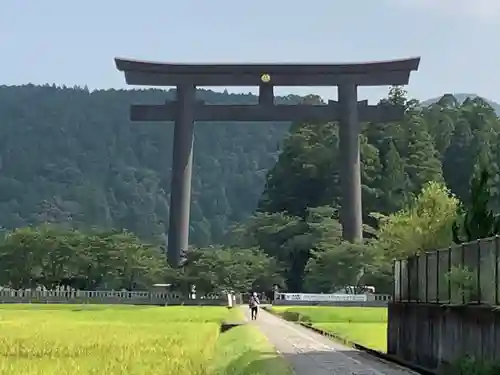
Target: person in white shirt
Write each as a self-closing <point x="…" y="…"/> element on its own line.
<point x="254" y="305"/>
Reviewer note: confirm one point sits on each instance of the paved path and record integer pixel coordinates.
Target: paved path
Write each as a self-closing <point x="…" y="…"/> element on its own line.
<point x="309" y="353"/>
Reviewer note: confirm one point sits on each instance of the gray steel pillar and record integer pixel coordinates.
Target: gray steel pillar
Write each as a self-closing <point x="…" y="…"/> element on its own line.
<point x="350" y="166"/>
<point x="182" y="165"/>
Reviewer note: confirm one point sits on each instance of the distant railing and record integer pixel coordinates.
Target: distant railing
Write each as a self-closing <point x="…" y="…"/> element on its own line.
<point x="466" y="273"/>
<point x="334" y="297"/>
<point x="107" y="297"/>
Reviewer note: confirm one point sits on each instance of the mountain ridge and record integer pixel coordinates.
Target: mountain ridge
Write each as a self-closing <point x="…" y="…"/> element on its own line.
<point x="461" y="98"/>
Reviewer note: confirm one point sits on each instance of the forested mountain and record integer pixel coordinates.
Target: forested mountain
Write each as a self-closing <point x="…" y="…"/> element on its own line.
<point x="71" y="156"/>
<point x="445" y="141"/>
<point x="461" y="98"/>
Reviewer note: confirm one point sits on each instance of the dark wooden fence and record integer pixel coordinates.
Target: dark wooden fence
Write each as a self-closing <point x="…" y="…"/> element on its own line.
<point x="445" y="305"/>
<point x="428" y="277"/>
<point x="435" y="336"/>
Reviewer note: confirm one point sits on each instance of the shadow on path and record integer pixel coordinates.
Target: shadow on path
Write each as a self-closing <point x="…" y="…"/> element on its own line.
<point x="265" y="364"/>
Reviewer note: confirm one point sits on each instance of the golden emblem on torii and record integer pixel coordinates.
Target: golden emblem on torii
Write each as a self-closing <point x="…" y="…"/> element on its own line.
<point x="266" y="78"/>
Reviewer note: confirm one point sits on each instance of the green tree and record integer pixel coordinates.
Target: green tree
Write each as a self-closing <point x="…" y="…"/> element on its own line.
<point x="394" y="180"/>
<point x="219" y="269"/>
<point x="21" y="258"/>
<point x="291" y="240"/>
<point x="51" y="256"/>
<point x="306" y="173"/>
<point x="478" y="221"/>
<point x="422" y="226"/>
<point x="458" y="160"/>
<point x="421" y="159"/>
<point x="334" y="267"/>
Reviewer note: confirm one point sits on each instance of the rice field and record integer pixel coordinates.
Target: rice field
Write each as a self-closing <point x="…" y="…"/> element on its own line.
<point x="129" y="340"/>
<point x="366" y="326"/>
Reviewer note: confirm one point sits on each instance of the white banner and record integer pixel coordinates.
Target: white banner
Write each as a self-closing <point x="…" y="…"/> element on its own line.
<point x="324" y="297"/>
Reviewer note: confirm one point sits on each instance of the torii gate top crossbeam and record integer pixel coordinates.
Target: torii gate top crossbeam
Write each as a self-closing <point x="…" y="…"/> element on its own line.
<point x="381" y="73"/>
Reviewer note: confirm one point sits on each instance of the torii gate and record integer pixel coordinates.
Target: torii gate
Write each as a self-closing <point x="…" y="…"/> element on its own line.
<point x="186" y="110"/>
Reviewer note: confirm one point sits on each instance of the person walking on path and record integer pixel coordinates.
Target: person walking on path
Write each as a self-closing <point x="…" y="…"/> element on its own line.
<point x="254" y="305"/>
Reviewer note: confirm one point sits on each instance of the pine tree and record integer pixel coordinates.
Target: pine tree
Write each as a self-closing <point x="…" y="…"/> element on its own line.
<point x="479" y="221"/>
<point x="394" y="181"/>
<point x="306" y="174"/>
<point x="422" y="162"/>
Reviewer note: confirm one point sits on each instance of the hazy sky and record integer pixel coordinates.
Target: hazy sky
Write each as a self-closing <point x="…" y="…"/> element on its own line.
<point x="74" y="42"/>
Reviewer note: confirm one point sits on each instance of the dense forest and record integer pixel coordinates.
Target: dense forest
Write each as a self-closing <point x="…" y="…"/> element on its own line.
<point x="71" y="157"/>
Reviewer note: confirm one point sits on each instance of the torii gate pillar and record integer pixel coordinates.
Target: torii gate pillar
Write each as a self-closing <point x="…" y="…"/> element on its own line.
<point x="182" y="167"/>
<point x="350" y="164"/>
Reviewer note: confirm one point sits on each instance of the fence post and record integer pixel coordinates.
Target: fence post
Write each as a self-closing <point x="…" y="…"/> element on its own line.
<point x="396" y="282"/>
<point x="463" y="265"/>
<point x="449" y="270"/>
<point x="496" y="269"/>
<point x="408" y="278"/>
<point x="417" y="279"/>
<point x="437" y="276"/>
<point x="426" y="277"/>
<point x="400" y="280"/>
<point x="478" y="258"/>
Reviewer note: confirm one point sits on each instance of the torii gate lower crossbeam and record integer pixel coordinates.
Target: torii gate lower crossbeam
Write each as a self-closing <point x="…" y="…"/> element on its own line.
<point x="186" y="110"/>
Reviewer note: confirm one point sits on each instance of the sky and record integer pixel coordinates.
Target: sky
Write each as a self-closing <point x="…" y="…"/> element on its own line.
<point x="74" y="42"/>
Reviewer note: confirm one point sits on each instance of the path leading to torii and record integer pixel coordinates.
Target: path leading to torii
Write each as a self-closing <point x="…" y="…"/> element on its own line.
<point x="310" y="353"/>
